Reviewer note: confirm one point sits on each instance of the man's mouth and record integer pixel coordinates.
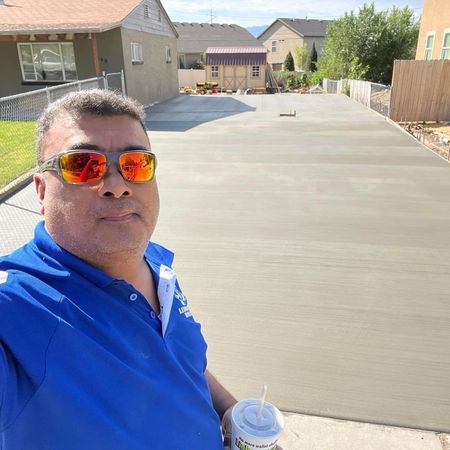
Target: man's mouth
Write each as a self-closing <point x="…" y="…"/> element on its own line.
<point x="119" y="216"/>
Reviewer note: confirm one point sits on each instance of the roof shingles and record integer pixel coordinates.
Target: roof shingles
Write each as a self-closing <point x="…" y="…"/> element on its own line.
<point x="197" y="37"/>
<point x="27" y="16"/>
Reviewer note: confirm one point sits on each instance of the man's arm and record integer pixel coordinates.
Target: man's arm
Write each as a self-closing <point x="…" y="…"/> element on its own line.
<point x="222" y="399"/>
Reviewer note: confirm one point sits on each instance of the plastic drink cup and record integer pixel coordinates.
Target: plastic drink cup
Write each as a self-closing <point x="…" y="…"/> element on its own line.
<point x="255" y="429"/>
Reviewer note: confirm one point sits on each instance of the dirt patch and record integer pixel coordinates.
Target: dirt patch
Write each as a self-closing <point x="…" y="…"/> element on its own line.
<point x="436" y="136"/>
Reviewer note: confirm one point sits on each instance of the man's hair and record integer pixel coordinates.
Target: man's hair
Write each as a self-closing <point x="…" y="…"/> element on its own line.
<point x="93" y="101"/>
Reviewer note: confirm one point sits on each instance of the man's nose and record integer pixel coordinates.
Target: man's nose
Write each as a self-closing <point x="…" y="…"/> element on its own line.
<point x="113" y="184"/>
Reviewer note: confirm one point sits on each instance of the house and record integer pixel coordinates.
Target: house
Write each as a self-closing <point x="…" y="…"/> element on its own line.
<point x="48" y="42"/>
<point x="236" y="68"/>
<point x="195" y="38"/>
<point x="434" y="35"/>
<point x="285" y="35"/>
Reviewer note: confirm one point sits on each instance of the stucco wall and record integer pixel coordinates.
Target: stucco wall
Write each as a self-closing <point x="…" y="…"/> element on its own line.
<point x="110" y="51"/>
<point x="154" y="80"/>
<point x="435" y="18"/>
<point x="10" y="74"/>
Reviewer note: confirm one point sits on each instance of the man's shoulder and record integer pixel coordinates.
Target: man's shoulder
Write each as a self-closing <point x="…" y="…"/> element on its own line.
<point x="24" y="276"/>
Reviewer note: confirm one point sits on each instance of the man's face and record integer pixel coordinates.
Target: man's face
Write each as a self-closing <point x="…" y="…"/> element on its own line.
<point x="105" y="217"/>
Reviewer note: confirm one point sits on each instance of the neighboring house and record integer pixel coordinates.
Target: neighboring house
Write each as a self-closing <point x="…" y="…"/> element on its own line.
<point x="285" y="35"/>
<point x="48" y="42"/>
<point x="236" y="68"/>
<point x="195" y="38"/>
<point x="434" y="34"/>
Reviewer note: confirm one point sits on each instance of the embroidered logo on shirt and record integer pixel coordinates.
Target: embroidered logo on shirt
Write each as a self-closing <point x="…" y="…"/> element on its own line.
<point x="184" y="309"/>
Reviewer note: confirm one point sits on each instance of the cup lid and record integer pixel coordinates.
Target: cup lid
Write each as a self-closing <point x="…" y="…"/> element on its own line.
<point x="245" y="416"/>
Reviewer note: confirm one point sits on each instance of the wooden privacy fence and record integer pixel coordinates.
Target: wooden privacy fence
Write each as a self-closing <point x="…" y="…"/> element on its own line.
<point x="420" y="91"/>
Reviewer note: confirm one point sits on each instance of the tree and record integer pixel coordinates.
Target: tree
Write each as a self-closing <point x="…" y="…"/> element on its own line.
<point x="313" y="59"/>
<point x="289" y="63"/>
<point x="302" y="57"/>
<point x="364" y="44"/>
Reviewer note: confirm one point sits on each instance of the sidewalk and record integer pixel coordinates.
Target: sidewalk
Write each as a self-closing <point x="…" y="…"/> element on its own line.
<point x="317" y="433"/>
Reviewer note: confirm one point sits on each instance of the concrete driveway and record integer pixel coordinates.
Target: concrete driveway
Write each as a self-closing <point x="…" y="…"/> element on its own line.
<point x="314" y="249"/>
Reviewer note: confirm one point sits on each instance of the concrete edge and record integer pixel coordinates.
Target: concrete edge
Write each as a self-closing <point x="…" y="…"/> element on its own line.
<point x="355" y="420"/>
<point x="392" y="122"/>
<point x="16" y="185"/>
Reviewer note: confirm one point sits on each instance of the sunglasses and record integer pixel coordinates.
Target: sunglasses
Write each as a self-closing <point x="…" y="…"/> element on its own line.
<point x="87" y="166"/>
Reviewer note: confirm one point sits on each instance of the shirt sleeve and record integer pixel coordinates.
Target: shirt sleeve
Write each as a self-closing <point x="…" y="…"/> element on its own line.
<point x="2" y="376"/>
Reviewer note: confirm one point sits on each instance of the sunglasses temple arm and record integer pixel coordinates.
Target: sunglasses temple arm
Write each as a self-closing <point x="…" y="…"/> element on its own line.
<point x="50" y="164"/>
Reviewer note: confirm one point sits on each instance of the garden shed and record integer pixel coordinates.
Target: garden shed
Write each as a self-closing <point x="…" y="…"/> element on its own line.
<point x="236" y="68"/>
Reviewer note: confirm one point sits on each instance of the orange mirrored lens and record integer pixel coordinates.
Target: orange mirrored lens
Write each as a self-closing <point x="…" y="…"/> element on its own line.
<point x="82" y="167"/>
<point x="137" y="166"/>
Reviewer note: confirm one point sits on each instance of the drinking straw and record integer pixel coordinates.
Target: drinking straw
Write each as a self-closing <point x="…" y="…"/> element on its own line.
<point x="261" y="401"/>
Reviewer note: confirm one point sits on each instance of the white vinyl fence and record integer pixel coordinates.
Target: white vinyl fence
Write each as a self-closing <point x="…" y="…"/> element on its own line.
<point x="190" y="77"/>
<point x="373" y="95"/>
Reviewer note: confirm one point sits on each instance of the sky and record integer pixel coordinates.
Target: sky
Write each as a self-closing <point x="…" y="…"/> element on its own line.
<point x="259" y="12"/>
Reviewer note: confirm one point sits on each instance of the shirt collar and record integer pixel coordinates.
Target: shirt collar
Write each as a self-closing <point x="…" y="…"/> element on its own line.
<point x="154" y="253"/>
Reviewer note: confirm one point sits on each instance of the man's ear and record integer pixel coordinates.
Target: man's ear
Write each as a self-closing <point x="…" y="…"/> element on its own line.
<point x="39" y="185"/>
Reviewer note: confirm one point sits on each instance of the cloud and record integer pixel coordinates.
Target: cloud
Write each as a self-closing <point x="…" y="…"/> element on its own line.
<point x="257" y="12"/>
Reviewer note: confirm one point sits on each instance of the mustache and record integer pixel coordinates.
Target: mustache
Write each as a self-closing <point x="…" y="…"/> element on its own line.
<point x="114" y="205"/>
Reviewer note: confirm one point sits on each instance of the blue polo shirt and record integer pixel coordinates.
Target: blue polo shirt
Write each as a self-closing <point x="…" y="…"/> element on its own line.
<point x="85" y="363"/>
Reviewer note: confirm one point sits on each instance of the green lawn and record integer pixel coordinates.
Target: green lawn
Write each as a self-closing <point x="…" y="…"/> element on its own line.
<point x="17" y="154"/>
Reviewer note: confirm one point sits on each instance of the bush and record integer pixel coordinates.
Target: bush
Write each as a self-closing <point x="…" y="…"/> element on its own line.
<point x="291" y="80"/>
<point x="304" y="80"/>
<point x="197" y="66"/>
<point x="316" y="78"/>
<point x="289" y="63"/>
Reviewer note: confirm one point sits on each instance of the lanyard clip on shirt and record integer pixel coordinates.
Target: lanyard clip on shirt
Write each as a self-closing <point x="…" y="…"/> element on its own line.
<point x="166" y="290"/>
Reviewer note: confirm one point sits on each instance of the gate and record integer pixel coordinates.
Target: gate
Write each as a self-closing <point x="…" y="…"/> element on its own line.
<point x="115" y="81"/>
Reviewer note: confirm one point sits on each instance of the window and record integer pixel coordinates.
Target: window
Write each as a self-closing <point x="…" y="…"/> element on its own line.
<point x="137" y="56"/>
<point x="182" y="61"/>
<point x="214" y="71"/>
<point x="277" y="66"/>
<point x="168" y="55"/>
<point x="445" y="54"/>
<point x="255" y="71"/>
<point x="274" y="46"/>
<point x="146" y="12"/>
<point x="47" y="61"/>
<point x="159" y="15"/>
<point x="429" y="46"/>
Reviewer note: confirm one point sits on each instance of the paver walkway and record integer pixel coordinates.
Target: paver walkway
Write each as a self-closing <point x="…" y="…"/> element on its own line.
<point x="314" y="249"/>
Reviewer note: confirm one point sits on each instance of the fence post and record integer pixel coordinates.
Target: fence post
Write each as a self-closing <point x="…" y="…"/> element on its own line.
<point x="122" y="79"/>
<point x="49" y="98"/>
<point x="105" y="80"/>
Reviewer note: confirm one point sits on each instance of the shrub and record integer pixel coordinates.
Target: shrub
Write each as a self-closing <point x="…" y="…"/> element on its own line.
<point x="316" y="78"/>
<point x="289" y="63"/>
<point x="197" y="65"/>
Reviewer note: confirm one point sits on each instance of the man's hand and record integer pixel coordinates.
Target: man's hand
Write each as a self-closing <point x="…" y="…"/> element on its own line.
<point x="226" y="430"/>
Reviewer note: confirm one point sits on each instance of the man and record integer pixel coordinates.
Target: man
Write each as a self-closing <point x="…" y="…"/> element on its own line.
<point x="98" y="348"/>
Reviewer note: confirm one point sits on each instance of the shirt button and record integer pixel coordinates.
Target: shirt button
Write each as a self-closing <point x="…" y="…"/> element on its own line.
<point x="133" y="297"/>
<point x="152" y="315"/>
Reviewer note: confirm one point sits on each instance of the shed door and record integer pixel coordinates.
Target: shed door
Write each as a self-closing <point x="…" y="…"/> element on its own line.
<point x="234" y="77"/>
<point x="241" y="77"/>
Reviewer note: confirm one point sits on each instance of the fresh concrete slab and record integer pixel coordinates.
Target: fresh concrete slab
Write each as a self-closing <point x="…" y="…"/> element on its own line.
<point x="314" y="250"/>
